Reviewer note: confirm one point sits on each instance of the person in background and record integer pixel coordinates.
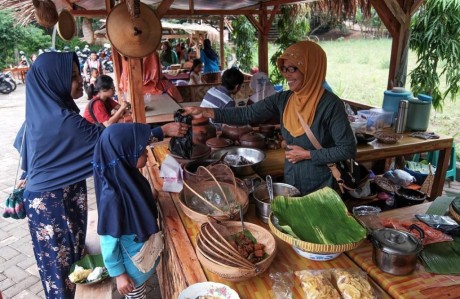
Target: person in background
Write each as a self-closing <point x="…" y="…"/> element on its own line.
<point x="304" y="66"/>
<point x="127" y="209"/>
<point x="167" y="55"/>
<point x="33" y="57"/>
<point x="101" y="105"/>
<point x="92" y="62"/>
<point x="57" y="156"/>
<point x="221" y="96"/>
<point x="195" y="73"/>
<point x="23" y="61"/>
<point x="210" y="60"/>
<point x="94" y="75"/>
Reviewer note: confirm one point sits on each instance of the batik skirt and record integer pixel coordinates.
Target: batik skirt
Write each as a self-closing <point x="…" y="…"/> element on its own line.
<point x="57" y="224"/>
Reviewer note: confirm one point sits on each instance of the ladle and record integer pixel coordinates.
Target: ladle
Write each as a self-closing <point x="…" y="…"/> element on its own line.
<point x="241" y="217"/>
<point x="269" y="181"/>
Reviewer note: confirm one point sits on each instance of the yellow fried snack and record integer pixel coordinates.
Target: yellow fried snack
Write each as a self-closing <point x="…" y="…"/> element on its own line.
<point x="317" y="285"/>
<point x="352" y="285"/>
<point x="79" y="274"/>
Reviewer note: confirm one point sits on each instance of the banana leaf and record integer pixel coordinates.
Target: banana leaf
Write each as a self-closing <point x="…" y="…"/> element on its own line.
<point x="320" y="217"/>
<point x="441" y="258"/>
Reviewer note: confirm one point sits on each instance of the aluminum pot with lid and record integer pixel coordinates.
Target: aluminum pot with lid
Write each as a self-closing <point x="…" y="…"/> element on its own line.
<point x="395" y="251"/>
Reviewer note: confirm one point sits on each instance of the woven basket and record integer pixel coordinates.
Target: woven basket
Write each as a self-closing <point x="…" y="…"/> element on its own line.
<point x="45" y="13"/>
<point x="232" y="273"/>
<point x="454" y="214"/>
<point x="240" y="196"/>
<point x="307" y="246"/>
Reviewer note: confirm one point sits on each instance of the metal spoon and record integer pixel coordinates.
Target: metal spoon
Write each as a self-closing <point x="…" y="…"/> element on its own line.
<point x="269" y="181"/>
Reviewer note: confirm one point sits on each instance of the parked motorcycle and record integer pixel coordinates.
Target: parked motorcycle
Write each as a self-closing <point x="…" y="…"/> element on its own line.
<point x="107" y="64"/>
<point x="5" y="86"/>
<point x="11" y="80"/>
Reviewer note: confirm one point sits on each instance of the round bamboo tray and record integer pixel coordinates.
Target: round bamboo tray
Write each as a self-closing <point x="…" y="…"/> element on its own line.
<point x="454" y="214"/>
<point x="307" y="246"/>
<point x="222" y="266"/>
<point x="240" y="196"/>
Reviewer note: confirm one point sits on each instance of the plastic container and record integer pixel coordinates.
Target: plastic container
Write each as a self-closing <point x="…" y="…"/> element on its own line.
<point x="376" y="118"/>
<point x="418" y="115"/>
<point x="392" y="97"/>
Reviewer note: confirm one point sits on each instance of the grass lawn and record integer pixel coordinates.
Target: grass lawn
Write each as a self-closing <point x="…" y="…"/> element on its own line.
<point x="358" y="70"/>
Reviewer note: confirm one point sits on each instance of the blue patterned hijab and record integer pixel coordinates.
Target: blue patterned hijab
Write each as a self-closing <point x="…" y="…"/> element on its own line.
<point x="125" y="202"/>
<point x="59" y="143"/>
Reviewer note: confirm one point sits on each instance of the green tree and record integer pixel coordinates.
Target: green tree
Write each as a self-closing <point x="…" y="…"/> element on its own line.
<point x="435" y="38"/>
<point x="18" y="38"/>
<point x="293" y="26"/>
<point x="244" y="35"/>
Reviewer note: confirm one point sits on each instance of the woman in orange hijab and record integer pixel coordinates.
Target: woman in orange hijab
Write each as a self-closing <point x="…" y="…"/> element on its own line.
<point x="303" y="65"/>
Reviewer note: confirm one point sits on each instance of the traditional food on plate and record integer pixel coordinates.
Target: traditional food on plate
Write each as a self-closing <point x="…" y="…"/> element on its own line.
<point x="247" y="246"/>
<point x="82" y="275"/>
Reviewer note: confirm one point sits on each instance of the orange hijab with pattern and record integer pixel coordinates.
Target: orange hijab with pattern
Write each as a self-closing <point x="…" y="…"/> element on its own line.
<point x="311" y="61"/>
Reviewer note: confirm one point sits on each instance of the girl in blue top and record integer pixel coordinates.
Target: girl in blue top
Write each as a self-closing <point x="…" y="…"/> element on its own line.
<point x="210" y="60"/>
<point x="127" y="211"/>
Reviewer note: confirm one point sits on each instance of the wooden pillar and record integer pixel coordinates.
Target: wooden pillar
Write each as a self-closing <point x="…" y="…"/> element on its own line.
<point x="221" y="36"/>
<point x="135" y="89"/>
<point x="396" y="15"/>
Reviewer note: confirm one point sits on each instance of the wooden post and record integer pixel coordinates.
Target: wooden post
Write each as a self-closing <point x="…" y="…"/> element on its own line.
<point x="222" y="50"/>
<point x="135" y="89"/>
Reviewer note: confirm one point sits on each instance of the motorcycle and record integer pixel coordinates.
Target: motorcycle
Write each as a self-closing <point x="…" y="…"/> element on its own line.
<point x="5" y="86"/>
<point x="11" y="80"/>
<point x="107" y="64"/>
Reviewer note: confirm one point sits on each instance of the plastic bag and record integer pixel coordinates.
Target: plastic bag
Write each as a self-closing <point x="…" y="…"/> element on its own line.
<point x="431" y="235"/>
<point x="399" y="177"/>
<point x="335" y="283"/>
<point x="171" y="172"/>
<point x="182" y="146"/>
<point x="282" y="284"/>
<point x="443" y="223"/>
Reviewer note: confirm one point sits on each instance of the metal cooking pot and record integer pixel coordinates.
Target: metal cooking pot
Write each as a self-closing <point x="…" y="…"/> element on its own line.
<point x="260" y="194"/>
<point x="395" y="251"/>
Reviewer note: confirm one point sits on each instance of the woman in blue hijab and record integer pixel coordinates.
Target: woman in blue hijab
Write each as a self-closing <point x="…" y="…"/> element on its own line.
<point x="57" y="153"/>
<point x="127" y="212"/>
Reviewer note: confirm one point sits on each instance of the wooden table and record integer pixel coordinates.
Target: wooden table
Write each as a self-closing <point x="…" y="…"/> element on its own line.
<point x="410" y="145"/>
<point x="374" y="151"/>
<point x="419" y="284"/>
<point x="18" y="73"/>
<point x="180" y="266"/>
<point x="161" y="109"/>
<point x="181" y="75"/>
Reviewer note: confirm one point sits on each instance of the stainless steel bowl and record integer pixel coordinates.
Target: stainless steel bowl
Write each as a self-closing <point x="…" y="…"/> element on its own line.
<point x="255" y="156"/>
<point x="260" y="194"/>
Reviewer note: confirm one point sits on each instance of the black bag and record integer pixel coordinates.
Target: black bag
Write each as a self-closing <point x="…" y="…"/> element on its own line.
<point x="182" y="146"/>
<point x="353" y="174"/>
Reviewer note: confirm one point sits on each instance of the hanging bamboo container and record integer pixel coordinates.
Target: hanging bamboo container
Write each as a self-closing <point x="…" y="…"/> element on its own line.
<point x="88" y="33"/>
<point x="45" y="13"/>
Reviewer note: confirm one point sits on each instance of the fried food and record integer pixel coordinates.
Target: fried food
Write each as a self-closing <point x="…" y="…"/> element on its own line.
<point x="352" y="285"/>
<point x="79" y="274"/>
<point x="317" y="285"/>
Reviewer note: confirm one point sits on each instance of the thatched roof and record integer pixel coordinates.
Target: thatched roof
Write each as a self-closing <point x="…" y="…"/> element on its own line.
<point x="24" y="9"/>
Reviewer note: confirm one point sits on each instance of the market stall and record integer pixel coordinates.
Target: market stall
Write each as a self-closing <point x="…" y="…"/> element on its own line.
<point x="181" y="268"/>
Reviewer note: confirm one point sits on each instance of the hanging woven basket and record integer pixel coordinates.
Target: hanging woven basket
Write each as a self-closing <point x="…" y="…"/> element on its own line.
<point x="88" y="33"/>
<point x="45" y="13"/>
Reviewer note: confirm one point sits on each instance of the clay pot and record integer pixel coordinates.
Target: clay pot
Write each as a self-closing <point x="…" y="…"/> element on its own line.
<point x="202" y="130"/>
<point x="218" y="142"/>
<point x="199" y="151"/>
<point x="253" y="139"/>
<point x="268" y="130"/>
<point x="234" y="132"/>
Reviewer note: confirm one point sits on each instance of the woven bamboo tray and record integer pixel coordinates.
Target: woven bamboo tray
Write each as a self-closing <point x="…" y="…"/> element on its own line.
<point x="307" y="246"/>
<point x="240" y="196"/>
<point x="454" y="214"/>
<point x="233" y="273"/>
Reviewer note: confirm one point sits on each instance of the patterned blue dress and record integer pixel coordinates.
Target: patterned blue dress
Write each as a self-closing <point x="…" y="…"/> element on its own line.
<point x="57" y="224"/>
